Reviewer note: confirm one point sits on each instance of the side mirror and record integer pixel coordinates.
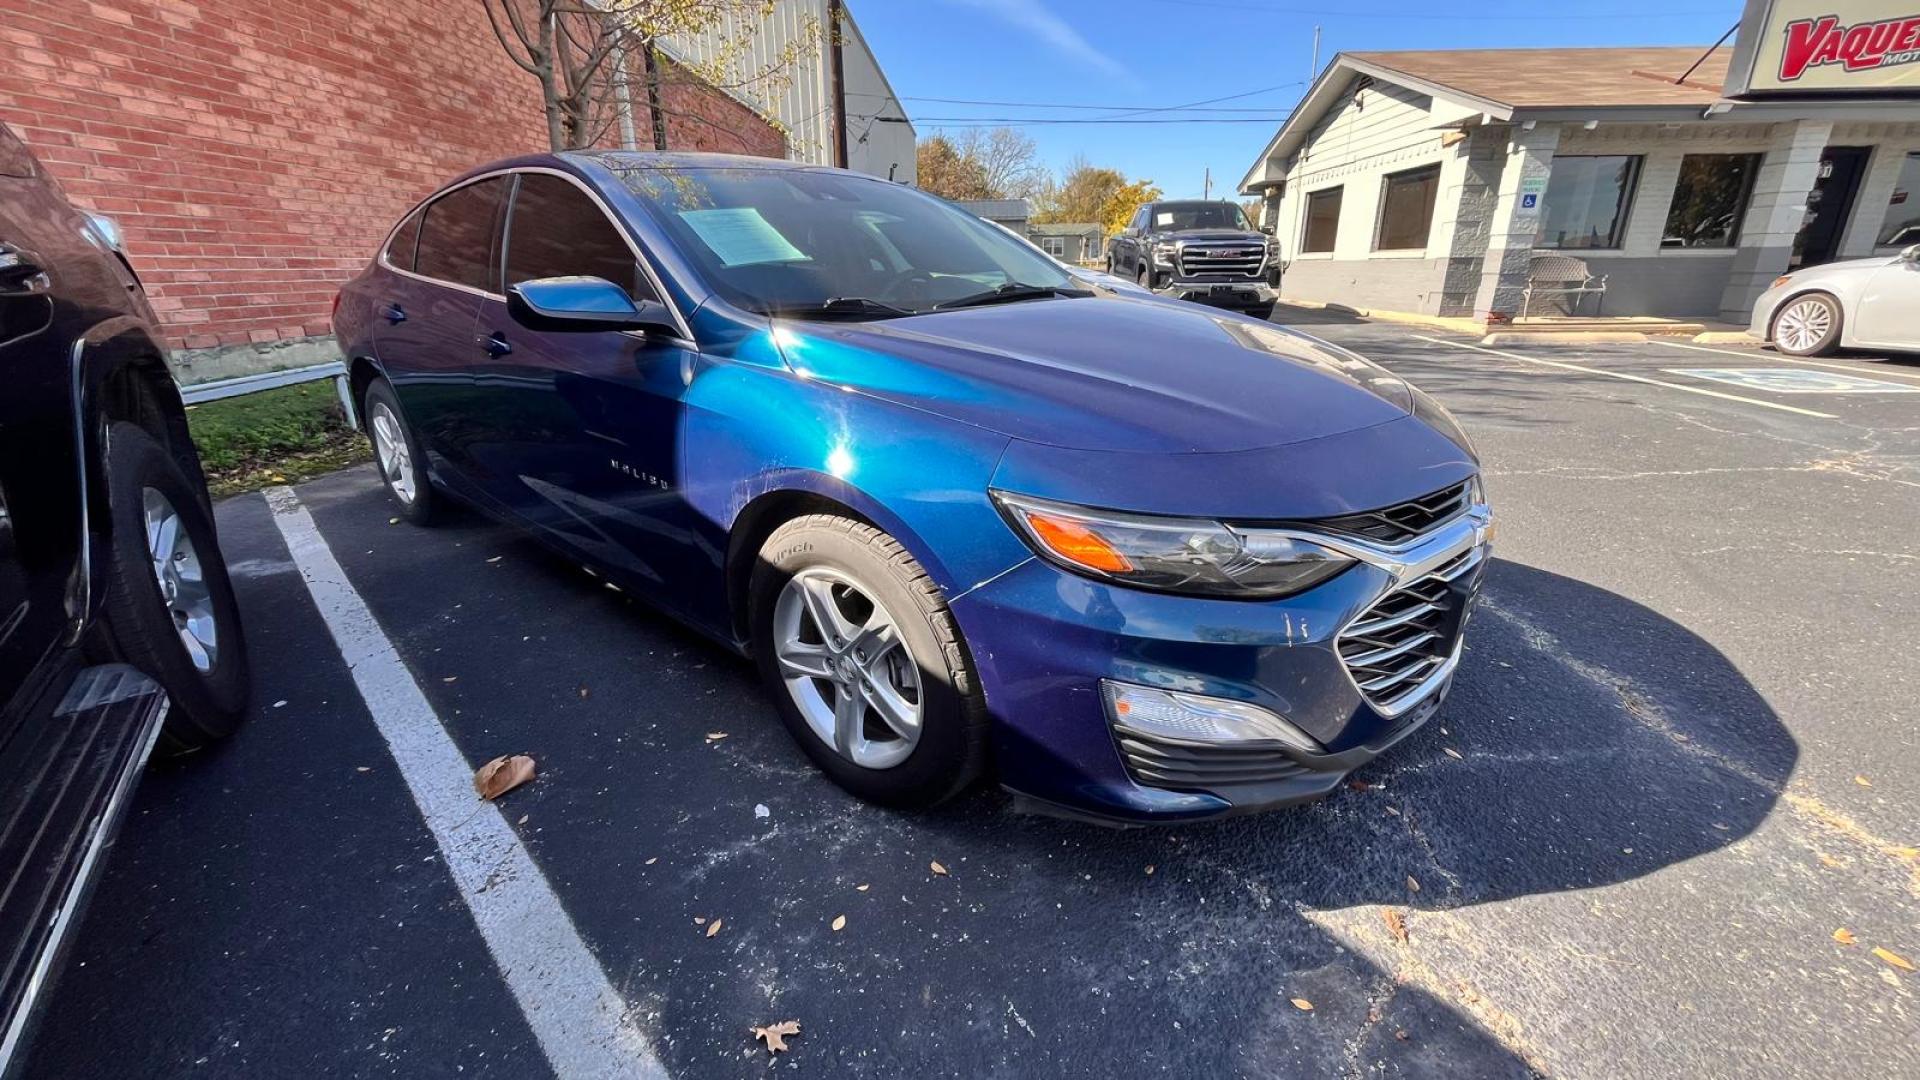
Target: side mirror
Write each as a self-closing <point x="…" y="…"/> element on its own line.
<point x="1268" y="229"/>
<point x="583" y="304"/>
<point x="1911" y="254"/>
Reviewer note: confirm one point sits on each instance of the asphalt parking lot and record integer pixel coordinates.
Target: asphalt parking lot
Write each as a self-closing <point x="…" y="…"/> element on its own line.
<point x="1679" y="757"/>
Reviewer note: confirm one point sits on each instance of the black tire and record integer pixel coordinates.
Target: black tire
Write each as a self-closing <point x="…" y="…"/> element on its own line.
<point x="418" y="502"/>
<point x="1146" y="278"/>
<point x="1819" y="345"/>
<point x="952" y="749"/>
<point x="138" y="624"/>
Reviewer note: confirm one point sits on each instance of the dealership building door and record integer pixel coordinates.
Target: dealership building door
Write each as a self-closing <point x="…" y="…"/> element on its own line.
<point x="1834" y="188"/>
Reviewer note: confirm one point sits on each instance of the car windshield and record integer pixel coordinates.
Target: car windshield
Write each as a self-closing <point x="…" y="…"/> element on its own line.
<point x="829" y="245"/>
<point x="1172" y="217"/>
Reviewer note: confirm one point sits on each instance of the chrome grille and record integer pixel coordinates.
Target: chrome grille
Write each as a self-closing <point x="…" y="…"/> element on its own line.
<point x="1158" y="762"/>
<point x="1239" y="259"/>
<point x="1404" y="521"/>
<point x="1408" y="634"/>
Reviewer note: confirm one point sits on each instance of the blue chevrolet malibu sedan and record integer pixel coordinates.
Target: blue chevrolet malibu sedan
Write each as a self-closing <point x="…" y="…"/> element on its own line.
<point x="1139" y="560"/>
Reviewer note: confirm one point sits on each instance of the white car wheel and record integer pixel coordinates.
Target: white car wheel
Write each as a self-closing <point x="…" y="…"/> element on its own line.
<point x="1808" y="325"/>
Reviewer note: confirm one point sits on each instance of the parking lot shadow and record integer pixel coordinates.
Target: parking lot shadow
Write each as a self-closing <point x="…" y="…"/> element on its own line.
<point x="1598" y="742"/>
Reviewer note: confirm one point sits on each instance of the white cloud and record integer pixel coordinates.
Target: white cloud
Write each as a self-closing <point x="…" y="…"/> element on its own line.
<point x="1050" y="30"/>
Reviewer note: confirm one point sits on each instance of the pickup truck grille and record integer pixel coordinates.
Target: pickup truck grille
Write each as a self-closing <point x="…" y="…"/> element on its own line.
<point x="1241" y="259"/>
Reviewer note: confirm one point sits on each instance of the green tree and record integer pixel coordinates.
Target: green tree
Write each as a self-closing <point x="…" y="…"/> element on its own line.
<point x="942" y="169"/>
<point x="1081" y="195"/>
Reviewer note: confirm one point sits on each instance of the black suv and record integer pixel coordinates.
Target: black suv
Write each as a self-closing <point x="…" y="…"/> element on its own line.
<point x="1204" y="251"/>
<point x="117" y="623"/>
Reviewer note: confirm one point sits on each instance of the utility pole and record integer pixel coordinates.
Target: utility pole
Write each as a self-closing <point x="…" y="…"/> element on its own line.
<point x="837" y="66"/>
<point x="1206" y="185"/>
<point x="1314" y="71"/>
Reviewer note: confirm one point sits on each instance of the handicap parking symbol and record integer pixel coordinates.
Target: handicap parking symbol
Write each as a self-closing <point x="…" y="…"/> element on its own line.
<point x="1529" y="201"/>
<point x="1796" y="381"/>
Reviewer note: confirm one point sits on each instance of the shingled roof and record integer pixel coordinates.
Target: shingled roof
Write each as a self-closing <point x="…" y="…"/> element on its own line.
<point x="1565" y="78"/>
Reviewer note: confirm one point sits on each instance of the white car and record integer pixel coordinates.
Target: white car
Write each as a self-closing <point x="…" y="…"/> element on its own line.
<point x="1858" y="304"/>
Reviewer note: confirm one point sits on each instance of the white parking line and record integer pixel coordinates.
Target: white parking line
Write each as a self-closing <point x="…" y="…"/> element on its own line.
<point x="1857" y="369"/>
<point x="1630" y="378"/>
<point x="584" y="1026"/>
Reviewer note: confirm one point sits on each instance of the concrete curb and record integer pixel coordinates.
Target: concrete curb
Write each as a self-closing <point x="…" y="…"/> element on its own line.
<point x="1726" y="337"/>
<point x="1576" y="337"/>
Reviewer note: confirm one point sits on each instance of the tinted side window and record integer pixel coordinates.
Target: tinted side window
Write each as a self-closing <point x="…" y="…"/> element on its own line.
<point x="557" y="231"/>
<point x="459" y="241"/>
<point x="400" y="248"/>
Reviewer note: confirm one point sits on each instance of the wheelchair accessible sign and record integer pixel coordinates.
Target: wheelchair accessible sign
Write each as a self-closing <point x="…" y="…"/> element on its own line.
<point x="1796" y="381"/>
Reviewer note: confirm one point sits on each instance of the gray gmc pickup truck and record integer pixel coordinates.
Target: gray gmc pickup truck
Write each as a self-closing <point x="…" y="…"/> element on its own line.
<point x="1203" y="251"/>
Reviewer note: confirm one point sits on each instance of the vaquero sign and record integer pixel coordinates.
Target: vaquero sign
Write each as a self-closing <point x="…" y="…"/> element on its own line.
<point x="1827" y="48"/>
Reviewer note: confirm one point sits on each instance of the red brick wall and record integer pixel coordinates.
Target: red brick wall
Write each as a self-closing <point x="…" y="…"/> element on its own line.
<point x="255" y="151"/>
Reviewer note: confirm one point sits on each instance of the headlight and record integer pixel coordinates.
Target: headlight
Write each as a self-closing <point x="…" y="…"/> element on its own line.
<point x="1163" y="253"/>
<point x="1192" y="556"/>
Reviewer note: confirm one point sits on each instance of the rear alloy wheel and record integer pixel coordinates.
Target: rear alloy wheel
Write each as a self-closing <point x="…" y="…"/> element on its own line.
<point x="397" y="455"/>
<point x="864" y="662"/>
<point x="1808" y="326"/>
<point x="169" y="608"/>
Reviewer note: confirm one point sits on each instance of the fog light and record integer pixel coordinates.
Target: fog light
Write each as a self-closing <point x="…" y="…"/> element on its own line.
<point x="1194" y="718"/>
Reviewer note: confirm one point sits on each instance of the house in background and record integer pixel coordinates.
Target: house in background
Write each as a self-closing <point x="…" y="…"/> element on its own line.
<point x="1432" y="182"/>
<point x="1075" y="242"/>
<point x="1015" y="214"/>
<point x="256" y="152"/>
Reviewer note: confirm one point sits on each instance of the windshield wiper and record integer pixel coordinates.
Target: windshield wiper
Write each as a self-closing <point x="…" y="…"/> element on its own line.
<point x="840" y="307"/>
<point x="1012" y="292"/>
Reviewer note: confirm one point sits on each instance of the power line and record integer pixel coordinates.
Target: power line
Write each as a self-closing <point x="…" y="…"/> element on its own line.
<point x="1050" y="104"/>
<point x="1024" y="121"/>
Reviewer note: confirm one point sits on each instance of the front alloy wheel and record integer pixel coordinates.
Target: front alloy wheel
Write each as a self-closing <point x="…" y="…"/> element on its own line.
<point x="1808" y="326"/>
<point x="183" y="585"/>
<point x="849" y="672"/>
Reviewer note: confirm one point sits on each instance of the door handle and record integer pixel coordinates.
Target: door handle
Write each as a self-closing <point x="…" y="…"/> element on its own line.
<point x="22" y="273"/>
<point x="394" y="314"/>
<point x="495" y="344"/>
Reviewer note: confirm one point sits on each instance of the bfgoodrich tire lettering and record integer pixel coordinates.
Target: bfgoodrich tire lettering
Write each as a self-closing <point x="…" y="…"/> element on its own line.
<point x="158" y="517"/>
<point x="949" y="749"/>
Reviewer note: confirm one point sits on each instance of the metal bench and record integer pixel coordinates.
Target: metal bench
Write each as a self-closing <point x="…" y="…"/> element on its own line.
<point x="1561" y="275"/>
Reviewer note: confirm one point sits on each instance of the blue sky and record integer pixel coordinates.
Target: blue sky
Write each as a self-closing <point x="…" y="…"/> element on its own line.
<point x="1156" y="53"/>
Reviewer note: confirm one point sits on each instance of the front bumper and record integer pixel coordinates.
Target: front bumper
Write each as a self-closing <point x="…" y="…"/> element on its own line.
<point x="1228" y="294"/>
<point x="1764" y="307"/>
<point x="1043" y="639"/>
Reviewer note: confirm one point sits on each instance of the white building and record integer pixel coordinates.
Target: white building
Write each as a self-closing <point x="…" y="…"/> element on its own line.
<point x="878" y="136"/>
<point x="1434" y="182"/>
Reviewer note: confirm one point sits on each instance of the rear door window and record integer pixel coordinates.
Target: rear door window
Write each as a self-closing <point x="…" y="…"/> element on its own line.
<point x="557" y="230"/>
<point x="460" y="236"/>
<point x="405" y="238"/>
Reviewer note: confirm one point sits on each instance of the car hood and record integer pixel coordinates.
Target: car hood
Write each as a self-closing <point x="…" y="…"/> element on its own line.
<point x="1212" y="234"/>
<point x="1844" y="267"/>
<point x="1106" y="373"/>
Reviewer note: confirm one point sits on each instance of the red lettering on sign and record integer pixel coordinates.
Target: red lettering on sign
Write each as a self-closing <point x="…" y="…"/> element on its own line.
<point x="1816" y="42"/>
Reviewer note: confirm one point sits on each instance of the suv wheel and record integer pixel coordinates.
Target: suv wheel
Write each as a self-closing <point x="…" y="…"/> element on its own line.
<point x="169" y="607"/>
<point x="865" y="663"/>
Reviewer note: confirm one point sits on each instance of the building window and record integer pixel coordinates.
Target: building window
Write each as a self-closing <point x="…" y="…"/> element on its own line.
<point x="1902" y="224"/>
<point x="1406" y="209"/>
<point x="1586" y="202"/>
<point x="1323" y="221"/>
<point x="1709" y="200"/>
<point x="1055" y="246"/>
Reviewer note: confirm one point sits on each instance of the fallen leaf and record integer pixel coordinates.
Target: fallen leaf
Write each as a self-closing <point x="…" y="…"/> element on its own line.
<point x="775" y="1035"/>
<point x="1394" y="810"/>
<point x="451" y="678"/>
<point x="713" y="927"/>
<point x="393" y="521"/>
<point x="839" y="922"/>
<point x="363" y="768"/>
<point x="937" y="868"/>
<point x="1358" y="784"/>
<point x="496" y="558"/>
<point x="523" y="818"/>
<point x="1396" y="924"/>
<point x="861" y="888"/>
<point x="1413" y="883"/>
<point x="1401" y="1034"/>
<point x="760" y="810"/>
<point x="1452" y="753"/>
<point x="1302" y="1004"/>
<point x="1828" y="860"/>
<point x="1844" y="936"/>
<point x="583" y="693"/>
<point x="1862" y="781"/>
<point x="716" y="736"/>
<point x="1893" y="959"/>
<point x="699" y="920"/>
<point x="651" y="861"/>
<point x="502" y="774"/>
<point x="1149" y="869"/>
